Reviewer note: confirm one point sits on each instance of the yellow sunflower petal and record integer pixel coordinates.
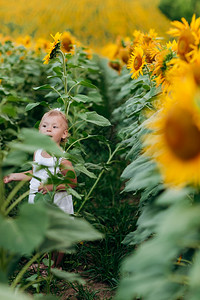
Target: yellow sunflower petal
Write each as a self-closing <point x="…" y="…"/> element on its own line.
<point x="174" y="142"/>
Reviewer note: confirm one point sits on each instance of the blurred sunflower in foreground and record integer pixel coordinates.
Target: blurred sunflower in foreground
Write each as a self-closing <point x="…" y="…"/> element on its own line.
<point x="174" y="137"/>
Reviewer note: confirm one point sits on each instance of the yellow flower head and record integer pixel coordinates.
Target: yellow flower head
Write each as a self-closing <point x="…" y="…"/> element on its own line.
<point x="174" y="140"/>
<point x="116" y="65"/>
<point x="148" y="42"/>
<point x="42" y="44"/>
<point x="68" y="42"/>
<point x="110" y="51"/>
<point x="136" y="62"/>
<point x="123" y="49"/>
<point x="25" y="41"/>
<point x="53" y="48"/>
<point x="188" y="36"/>
<point x="181" y="67"/>
<point x="161" y="66"/>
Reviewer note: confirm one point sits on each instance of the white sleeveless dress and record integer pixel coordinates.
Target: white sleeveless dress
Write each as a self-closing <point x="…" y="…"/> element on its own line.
<point x="62" y="199"/>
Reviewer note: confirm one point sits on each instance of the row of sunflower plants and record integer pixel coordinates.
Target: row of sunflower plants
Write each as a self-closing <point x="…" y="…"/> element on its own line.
<point x="29" y="232"/>
<point x="159" y="125"/>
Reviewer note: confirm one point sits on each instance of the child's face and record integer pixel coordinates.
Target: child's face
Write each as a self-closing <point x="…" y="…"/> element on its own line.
<point x="55" y="127"/>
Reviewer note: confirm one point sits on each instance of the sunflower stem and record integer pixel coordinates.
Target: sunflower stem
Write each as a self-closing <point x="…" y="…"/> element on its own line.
<point x="99" y="176"/>
<point x="2" y="191"/>
<point x="23" y="270"/>
<point x="64" y="78"/>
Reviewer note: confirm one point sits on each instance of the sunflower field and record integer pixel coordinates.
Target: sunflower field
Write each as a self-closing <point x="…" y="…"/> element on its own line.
<point x="133" y="111"/>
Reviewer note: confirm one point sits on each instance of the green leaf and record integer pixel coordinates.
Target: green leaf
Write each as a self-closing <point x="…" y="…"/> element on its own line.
<point x="70" y="277"/>
<point x="33" y="140"/>
<point x="13" y="98"/>
<point x="23" y="234"/>
<point x="65" y="230"/>
<point x="93" y="117"/>
<point x="6" y="293"/>
<point x="43" y="87"/>
<point x="58" y="70"/>
<point x="85" y="171"/>
<point x="81" y="98"/>
<point x="33" y="105"/>
<point x="87" y="83"/>
<point x="95" y="96"/>
<point x="74" y="193"/>
<point x="15" y="158"/>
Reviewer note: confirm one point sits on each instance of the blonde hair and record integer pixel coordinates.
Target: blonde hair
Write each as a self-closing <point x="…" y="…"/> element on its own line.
<point x="55" y="112"/>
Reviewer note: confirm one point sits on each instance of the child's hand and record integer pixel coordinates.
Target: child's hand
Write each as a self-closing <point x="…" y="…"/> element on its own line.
<point x="44" y="188"/>
<point x="8" y="178"/>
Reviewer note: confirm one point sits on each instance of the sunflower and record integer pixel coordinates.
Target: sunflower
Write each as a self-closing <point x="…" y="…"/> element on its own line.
<point x="161" y="66"/>
<point x="195" y="68"/>
<point x="148" y="42"/>
<point x="110" y="51"/>
<point x="53" y="48"/>
<point x="25" y="41"/>
<point x="116" y="65"/>
<point x="42" y="44"/>
<point x="136" y="62"/>
<point x="188" y="36"/>
<point x="68" y="42"/>
<point x="174" y="140"/>
<point x="138" y="37"/>
<point x="123" y="49"/>
<point x="181" y="67"/>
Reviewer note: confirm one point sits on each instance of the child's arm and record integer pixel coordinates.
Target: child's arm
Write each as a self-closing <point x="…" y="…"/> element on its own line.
<point x="17" y="177"/>
<point x="66" y="166"/>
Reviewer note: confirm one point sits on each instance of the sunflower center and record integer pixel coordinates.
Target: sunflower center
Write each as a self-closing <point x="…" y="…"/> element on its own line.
<point x="182" y="135"/>
<point x="137" y="62"/>
<point x="184" y="43"/>
<point x="67" y="44"/>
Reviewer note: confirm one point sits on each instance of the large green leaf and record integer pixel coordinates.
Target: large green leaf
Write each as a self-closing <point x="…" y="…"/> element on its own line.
<point x="33" y="140"/>
<point x="23" y="234"/>
<point x="93" y="117"/>
<point x="65" y="230"/>
<point x="6" y="293"/>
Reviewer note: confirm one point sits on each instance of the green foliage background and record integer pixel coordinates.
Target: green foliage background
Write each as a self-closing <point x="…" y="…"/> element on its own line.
<point x="175" y="10"/>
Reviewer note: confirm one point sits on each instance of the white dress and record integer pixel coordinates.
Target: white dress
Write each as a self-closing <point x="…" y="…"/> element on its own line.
<point x="62" y="199"/>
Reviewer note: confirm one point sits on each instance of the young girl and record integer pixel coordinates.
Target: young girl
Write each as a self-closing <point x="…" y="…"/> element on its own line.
<point x="53" y="124"/>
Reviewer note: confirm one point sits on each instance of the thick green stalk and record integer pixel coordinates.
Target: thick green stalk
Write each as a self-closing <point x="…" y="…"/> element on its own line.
<point x="2" y="192"/>
<point x="32" y="283"/>
<point x="64" y="78"/>
<point x="23" y="270"/>
<point x="12" y="194"/>
<point x="16" y="202"/>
